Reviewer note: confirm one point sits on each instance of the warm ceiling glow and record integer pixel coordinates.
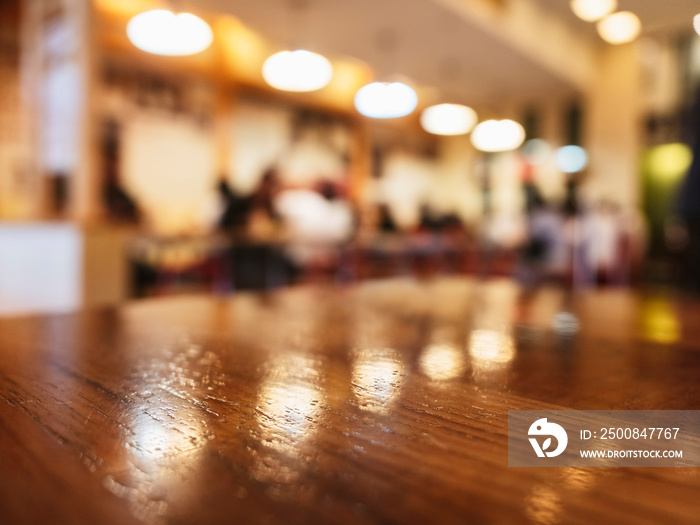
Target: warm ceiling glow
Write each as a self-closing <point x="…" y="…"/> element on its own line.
<point x="348" y="76"/>
<point x="298" y="70"/>
<point x="243" y="50"/>
<point x="385" y="100"/>
<point x="619" y="28"/>
<point x="125" y="8"/>
<point x="448" y="119"/>
<point x="571" y="159"/>
<point x="592" y="10"/>
<point x="162" y="32"/>
<point x="498" y="135"/>
<point x="696" y="23"/>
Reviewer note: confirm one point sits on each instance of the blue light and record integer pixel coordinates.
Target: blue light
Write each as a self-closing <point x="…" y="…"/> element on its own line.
<point x="571" y="159"/>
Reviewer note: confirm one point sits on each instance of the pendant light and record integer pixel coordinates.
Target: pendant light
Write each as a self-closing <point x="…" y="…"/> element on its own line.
<point x="448" y="119"/>
<point x="387" y="98"/>
<point x="593" y="10"/>
<point x="619" y="28"/>
<point x="163" y="32"/>
<point x="297" y="70"/>
<point x="498" y="135"/>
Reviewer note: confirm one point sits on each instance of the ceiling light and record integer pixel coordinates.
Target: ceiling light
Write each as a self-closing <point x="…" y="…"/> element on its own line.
<point x="298" y="70"/>
<point x="385" y="100"/>
<point x="572" y="159"/>
<point x="696" y="23"/>
<point x="498" y="135"/>
<point x="619" y="28"/>
<point x="592" y="10"/>
<point x="164" y="33"/>
<point x="448" y="119"/>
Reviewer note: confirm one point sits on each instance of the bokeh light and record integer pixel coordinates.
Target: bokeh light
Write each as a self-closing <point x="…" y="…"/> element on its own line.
<point x="448" y="119"/>
<point x="298" y="70"/>
<point x="619" y="28"/>
<point x="386" y="100"/>
<point x="592" y="10"/>
<point x="669" y="162"/>
<point x="162" y="32"/>
<point x="537" y="151"/>
<point x="572" y="159"/>
<point x="498" y="135"/>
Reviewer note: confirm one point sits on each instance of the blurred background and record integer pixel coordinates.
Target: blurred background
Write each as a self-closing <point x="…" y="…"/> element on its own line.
<point x="263" y="144"/>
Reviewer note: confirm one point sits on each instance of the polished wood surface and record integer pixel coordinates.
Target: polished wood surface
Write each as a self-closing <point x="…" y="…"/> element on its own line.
<point x="384" y="402"/>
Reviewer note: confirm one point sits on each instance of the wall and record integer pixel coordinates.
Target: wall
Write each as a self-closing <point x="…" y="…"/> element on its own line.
<point x="40" y="268"/>
<point x="60" y="267"/>
<point x="613" y="127"/>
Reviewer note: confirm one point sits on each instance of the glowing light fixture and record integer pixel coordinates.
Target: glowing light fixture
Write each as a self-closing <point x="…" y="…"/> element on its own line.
<point x="448" y="119"/>
<point x="498" y="135"/>
<point x="696" y="23"/>
<point x="162" y="32"/>
<point x="668" y="162"/>
<point x="592" y="10"/>
<point x="619" y="28"/>
<point x="572" y="159"/>
<point x="298" y="70"/>
<point x="385" y="100"/>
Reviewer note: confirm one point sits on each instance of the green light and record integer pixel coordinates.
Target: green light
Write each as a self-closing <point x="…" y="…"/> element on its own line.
<point x="668" y="162"/>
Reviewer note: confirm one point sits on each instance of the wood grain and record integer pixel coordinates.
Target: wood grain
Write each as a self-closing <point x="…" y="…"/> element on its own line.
<point x="384" y="402"/>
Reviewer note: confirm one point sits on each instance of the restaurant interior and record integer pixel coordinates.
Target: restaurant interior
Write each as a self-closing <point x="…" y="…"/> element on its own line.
<point x="294" y="261"/>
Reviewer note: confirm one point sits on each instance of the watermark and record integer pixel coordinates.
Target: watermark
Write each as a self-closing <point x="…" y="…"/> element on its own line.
<point x="604" y="438"/>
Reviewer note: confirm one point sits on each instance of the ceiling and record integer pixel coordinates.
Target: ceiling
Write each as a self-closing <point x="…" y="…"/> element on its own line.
<point x="432" y="44"/>
<point x="655" y="15"/>
<point x="421" y="39"/>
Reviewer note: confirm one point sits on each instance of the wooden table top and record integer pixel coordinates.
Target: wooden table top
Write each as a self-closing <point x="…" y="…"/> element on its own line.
<point x="384" y="402"/>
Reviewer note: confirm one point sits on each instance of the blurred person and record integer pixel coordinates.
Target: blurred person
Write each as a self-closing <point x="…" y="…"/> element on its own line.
<point x="251" y="259"/>
<point x="316" y="223"/>
<point x="234" y="208"/>
<point x="119" y="204"/>
<point x="602" y="238"/>
<point x="544" y="249"/>
<point x="548" y="256"/>
<point x="386" y="223"/>
<point x="430" y="221"/>
<point x="264" y="220"/>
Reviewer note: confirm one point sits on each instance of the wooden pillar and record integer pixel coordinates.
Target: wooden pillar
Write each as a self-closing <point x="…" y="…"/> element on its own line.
<point x="85" y="204"/>
<point x="360" y="161"/>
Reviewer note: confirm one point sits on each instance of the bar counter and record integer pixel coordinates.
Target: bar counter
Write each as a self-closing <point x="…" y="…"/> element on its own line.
<point x="382" y="402"/>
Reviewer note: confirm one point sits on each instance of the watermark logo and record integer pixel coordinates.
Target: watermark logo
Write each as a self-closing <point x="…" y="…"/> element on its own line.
<point x="604" y="438"/>
<point x="542" y="427"/>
